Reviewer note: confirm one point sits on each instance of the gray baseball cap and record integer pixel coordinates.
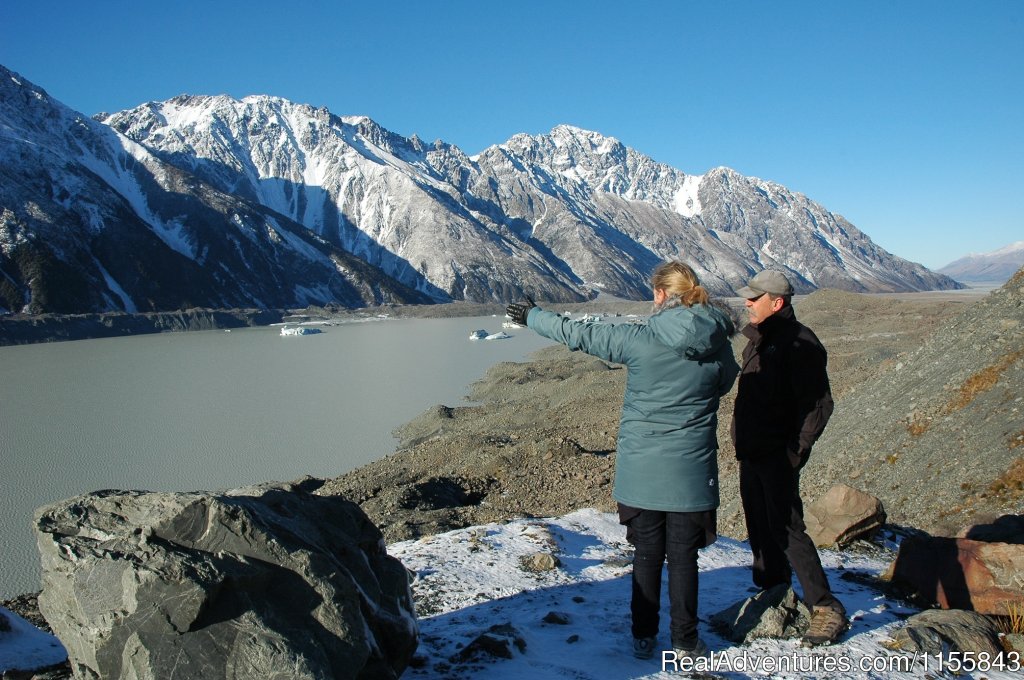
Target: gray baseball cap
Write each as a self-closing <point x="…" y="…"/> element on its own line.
<point x="768" y="281"/>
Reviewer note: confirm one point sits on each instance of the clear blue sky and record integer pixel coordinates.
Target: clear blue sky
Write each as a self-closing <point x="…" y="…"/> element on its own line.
<point x="906" y="117"/>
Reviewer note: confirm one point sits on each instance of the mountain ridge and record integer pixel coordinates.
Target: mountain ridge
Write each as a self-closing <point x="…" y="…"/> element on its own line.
<point x="92" y="222"/>
<point x="996" y="266"/>
<point x="262" y="202"/>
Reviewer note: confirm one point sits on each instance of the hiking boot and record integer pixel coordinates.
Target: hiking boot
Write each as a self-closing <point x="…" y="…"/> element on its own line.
<point x="827" y="625"/>
<point x="698" y="651"/>
<point x="643" y="648"/>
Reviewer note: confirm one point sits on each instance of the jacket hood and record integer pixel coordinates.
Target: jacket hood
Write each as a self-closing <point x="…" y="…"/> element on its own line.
<point x="693" y="332"/>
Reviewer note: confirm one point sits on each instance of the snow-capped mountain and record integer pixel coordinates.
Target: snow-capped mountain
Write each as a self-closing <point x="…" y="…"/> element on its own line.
<point x="556" y="215"/>
<point x="391" y="201"/>
<point x="92" y="221"/>
<point x="994" y="267"/>
<point x="612" y="214"/>
<point x="212" y="201"/>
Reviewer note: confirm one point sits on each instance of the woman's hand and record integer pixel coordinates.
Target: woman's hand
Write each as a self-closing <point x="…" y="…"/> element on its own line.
<point x="518" y="311"/>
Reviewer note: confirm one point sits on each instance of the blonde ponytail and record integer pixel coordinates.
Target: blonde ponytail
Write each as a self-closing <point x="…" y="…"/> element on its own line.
<point x="680" y="282"/>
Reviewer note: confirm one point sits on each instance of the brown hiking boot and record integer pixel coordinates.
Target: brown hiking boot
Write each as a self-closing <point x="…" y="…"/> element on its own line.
<point x="827" y="625"/>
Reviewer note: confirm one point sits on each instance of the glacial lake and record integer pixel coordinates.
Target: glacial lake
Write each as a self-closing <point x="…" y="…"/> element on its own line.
<point x="216" y="410"/>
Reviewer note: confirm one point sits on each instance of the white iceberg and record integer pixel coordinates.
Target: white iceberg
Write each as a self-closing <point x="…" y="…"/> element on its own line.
<point x="478" y="335"/>
<point x="500" y="335"/>
<point x="299" y="330"/>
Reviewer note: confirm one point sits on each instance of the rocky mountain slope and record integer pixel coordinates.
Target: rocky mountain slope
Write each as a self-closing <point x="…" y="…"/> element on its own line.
<point x="938" y="434"/>
<point x="557" y="216"/>
<point x="91" y="221"/>
<point x="996" y="266"/>
<point x="216" y="202"/>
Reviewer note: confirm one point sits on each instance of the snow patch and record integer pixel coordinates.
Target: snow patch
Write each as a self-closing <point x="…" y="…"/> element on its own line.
<point x="175" y="234"/>
<point x="686" y="202"/>
<point x="296" y="243"/>
<point x="470" y="579"/>
<point x="126" y="301"/>
<point x="26" y="647"/>
<point x="1005" y="250"/>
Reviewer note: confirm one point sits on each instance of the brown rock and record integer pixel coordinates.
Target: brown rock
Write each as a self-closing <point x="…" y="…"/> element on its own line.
<point x="539" y="562"/>
<point x="960" y="573"/>
<point x="842" y="515"/>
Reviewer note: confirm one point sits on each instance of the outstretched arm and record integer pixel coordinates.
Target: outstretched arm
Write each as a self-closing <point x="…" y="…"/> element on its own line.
<point x="605" y="341"/>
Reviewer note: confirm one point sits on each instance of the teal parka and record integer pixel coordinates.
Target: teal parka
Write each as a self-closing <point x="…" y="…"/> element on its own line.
<point x="679" y="364"/>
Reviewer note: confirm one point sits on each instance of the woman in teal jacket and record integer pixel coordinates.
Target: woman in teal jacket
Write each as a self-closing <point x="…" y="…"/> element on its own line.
<point x="666" y="471"/>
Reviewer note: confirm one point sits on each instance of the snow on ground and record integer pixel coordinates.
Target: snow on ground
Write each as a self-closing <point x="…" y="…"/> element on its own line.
<point x="469" y="580"/>
<point x="26" y="647"/>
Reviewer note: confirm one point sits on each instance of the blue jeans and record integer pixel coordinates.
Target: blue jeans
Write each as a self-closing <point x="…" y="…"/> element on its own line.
<point x="658" y="535"/>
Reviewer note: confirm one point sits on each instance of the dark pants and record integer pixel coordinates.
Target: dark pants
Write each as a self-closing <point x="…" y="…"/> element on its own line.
<point x="770" y="492"/>
<point x="677" y="536"/>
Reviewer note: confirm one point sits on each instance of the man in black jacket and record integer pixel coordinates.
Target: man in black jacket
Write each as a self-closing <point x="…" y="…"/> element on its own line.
<point x="783" y="403"/>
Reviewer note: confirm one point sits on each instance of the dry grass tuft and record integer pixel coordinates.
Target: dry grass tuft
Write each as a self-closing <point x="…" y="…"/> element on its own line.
<point x="918" y="426"/>
<point x="982" y="381"/>
<point x="1011" y="483"/>
<point x="1013" y="622"/>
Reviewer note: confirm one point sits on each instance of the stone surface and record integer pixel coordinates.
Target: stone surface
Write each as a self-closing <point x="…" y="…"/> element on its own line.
<point x="268" y="581"/>
<point x="539" y="561"/>
<point x="495" y="643"/>
<point x="557" y="618"/>
<point x="938" y="631"/>
<point x="1014" y="642"/>
<point x="960" y="573"/>
<point x="842" y="515"/>
<point x="773" y="613"/>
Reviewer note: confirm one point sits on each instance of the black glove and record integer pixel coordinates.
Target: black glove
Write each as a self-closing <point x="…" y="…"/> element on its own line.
<point x="518" y="311"/>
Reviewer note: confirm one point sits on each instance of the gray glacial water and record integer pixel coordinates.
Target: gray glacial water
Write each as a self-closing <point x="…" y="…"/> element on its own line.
<point x="216" y="410"/>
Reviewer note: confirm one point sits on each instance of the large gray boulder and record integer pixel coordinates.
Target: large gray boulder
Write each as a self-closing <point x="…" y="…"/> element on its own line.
<point x="264" y="582"/>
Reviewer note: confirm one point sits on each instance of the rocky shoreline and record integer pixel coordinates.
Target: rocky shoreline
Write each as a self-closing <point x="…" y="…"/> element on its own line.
<point x="24" y="329"/>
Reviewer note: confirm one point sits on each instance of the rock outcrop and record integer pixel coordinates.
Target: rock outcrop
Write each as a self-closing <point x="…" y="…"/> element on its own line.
<point x="843" y="515"/>
<point x="267" y="581"/>
<point x="937" y="631"/>
<point x="962" y="573"/>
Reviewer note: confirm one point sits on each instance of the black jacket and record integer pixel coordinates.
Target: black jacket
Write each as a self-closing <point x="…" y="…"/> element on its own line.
<point x="784" y="399"/>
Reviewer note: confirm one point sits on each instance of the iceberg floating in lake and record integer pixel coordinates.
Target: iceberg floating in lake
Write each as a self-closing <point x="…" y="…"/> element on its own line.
<point x="478" y="335"/>
<point x="301" y="330"/>
<point x="500" y="335"/>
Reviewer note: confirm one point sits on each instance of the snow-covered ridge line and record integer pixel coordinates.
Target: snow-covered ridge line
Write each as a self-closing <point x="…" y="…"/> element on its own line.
<point x="537" y="215"/>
